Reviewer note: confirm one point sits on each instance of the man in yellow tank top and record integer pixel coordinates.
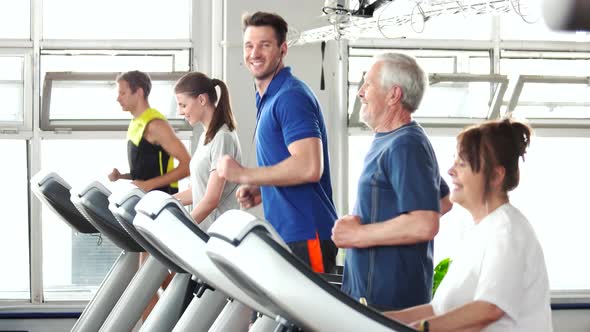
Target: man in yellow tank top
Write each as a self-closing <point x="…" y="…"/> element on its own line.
<point x="152" y="144"/>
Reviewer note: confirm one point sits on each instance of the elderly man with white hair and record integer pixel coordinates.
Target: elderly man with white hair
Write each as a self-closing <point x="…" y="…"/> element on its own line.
<point x="401" y="195"/>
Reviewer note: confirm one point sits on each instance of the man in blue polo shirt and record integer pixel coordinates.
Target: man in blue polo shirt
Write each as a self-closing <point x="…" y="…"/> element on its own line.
<point x="293" y="177"/>
<point x="396" y="216"/>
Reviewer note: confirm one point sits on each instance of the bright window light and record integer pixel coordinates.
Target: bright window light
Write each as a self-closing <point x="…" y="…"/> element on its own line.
<point x="14" y="228"/>
<point x="15" y="19"/>
<point x="67" y="96"/>
<point x="11" y="89"/>
<point x="113" y="19"/>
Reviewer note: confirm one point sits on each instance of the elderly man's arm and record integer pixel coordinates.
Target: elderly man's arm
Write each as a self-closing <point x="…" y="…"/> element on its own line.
<point x="408" y="228"/>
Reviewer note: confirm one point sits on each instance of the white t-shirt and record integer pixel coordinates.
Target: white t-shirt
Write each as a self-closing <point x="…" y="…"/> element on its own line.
<point x="204" y="161"/>
<point x="500" y="262"/>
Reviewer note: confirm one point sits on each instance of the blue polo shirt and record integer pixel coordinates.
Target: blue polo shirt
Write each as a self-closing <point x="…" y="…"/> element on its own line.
<point x="400" y="174"/>
<point x="287" y="112"/>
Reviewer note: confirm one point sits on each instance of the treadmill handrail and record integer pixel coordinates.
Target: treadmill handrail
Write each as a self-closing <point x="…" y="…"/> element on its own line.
<point x="176" y="235"/>
<point x="42" y="177"/>
<point x="241" y="224"/>
<point x="325" y="285"/>
<point x="61" y="206"/>
<point x="119" y="198"/>
<point x="188" y="221"/>
<point x="101" y="217"/>
<point x="155" y="202"/>
<point x="123" y="193"/>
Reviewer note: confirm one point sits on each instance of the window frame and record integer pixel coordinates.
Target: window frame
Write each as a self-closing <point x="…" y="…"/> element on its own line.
<point x="524" y="79"/>
<point x="496" y="99"/>
<point x="16" y="128"/>
<point x="47" y="124"/>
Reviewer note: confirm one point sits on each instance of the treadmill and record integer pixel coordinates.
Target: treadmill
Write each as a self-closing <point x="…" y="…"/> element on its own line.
<point x="92" y="201"/>
<point x="209" y="302"/>
<point x="54" y="191"/>
<point x="173" y="303"/>
<point x="251" y="254"/>
<point x="163" y="221"/>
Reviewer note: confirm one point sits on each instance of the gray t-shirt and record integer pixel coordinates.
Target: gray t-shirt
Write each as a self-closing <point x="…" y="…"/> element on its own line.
<point x="204" y="161"/>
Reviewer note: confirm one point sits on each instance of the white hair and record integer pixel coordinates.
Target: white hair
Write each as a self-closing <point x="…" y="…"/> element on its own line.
<point x="403" y="71"/>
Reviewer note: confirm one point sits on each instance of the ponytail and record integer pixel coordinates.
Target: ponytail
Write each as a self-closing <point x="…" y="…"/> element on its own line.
<point x="223" y="113"/>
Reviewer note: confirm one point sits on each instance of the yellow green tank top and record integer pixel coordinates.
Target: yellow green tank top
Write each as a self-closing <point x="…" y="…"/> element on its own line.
<point x="146" y="160"/>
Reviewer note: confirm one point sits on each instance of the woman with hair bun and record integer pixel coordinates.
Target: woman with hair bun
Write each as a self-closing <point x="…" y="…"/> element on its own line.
<point x="499" y="280"/>
<point x="198" y="102"/>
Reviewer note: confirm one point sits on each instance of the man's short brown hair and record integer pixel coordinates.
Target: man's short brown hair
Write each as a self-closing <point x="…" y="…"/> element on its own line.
<point x="261" y="19"/>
